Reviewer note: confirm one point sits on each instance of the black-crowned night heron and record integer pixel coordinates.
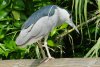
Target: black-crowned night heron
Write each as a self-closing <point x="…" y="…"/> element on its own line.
<point x="40" y="24"/>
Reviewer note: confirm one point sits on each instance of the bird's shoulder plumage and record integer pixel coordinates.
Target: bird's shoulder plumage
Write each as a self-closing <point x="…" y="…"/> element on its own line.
<point x="44" y="11"/>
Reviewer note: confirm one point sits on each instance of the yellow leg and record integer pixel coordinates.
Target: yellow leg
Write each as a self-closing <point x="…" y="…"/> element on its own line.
<point x="42" y="51"/>
<point x="46" y="47"/>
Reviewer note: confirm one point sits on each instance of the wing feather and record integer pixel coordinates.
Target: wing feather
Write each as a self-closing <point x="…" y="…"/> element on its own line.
<point x="44" y="11"/>
<point x="33" y="29"/>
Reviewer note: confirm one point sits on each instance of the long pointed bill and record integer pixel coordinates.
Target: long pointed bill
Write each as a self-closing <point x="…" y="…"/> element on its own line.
<point x="72" y="25"/>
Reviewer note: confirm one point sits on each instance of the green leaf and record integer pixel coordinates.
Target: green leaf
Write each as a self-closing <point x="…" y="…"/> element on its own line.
<point x="1" y="34"/>
<point x="16" y="15"/>
<point x="1" y="51"/>
<point x="3" y="14"/>
<point x="4" y="3"/>
<point x="51" y="43"/>
<point x="37" y="52"/>
<point x="2" y="47"/>
<point x="6" y="53"/>
<point x="53" y="32"/>
<point x="10" y="44"/>
<point x="2" y="26"/>
<point x="94" y="51"/>
<point x="18" y="5"/>
<point x="63" y="26"/>
<point x="17" y="24"/>
<point x="98" y="4"/>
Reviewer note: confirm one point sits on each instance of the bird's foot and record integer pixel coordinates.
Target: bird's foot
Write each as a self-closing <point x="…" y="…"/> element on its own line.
<point x="47" y="59"/>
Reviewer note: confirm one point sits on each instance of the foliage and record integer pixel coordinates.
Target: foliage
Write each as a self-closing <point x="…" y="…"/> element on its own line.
<point x="63" y="41"/>
<point x="94" y="52"/>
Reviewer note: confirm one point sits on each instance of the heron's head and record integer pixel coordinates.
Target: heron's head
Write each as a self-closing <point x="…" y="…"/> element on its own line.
<point x="66" y="17"/>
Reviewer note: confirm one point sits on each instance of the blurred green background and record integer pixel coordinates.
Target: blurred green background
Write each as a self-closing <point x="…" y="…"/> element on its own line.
<point x="63" y="41"/>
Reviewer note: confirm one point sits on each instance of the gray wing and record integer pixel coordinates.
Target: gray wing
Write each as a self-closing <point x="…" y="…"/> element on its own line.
<point x="31" y="35"/>
<point x="44" y="11"/>
<point x="33" y="29"/>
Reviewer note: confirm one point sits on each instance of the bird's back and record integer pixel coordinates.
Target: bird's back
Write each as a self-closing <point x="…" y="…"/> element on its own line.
<point x="44" y="11"/>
